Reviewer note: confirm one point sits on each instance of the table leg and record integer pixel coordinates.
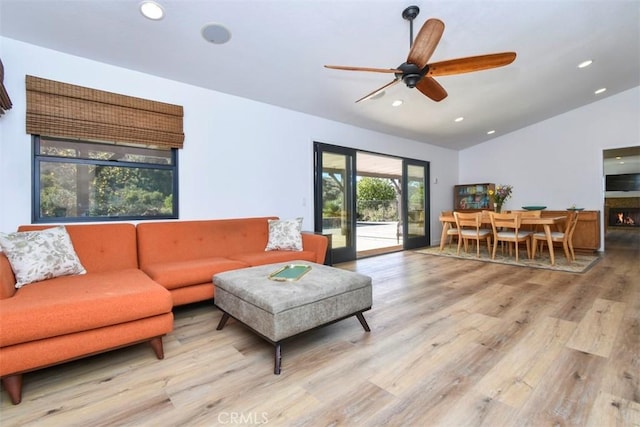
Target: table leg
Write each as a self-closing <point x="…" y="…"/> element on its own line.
<point x="443" y="238"/>
<point x="547" y="232"/>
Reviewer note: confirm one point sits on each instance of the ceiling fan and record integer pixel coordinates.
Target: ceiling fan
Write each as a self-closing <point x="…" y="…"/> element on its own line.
<point x="417" y="72"/>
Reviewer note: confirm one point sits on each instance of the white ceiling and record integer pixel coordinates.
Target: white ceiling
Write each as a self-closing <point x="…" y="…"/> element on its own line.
<point x="278" y="49"/>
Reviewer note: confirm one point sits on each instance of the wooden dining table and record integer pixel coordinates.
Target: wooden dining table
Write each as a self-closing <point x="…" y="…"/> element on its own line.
<point x="545" y="222"/>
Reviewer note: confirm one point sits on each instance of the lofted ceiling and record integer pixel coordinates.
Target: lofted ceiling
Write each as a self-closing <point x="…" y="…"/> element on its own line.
<point x="278" y="48"/>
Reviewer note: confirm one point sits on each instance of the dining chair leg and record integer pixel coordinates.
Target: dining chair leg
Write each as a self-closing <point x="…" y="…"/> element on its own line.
<point x="573" y="254"/>
<point x="567" y="253"/>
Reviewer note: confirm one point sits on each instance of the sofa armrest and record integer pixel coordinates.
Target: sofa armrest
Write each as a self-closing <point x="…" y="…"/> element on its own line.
<point x="316" y="243"/>
<point x="7" y="278"/>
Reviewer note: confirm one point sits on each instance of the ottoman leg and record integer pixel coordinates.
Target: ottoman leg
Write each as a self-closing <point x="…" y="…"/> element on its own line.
<point x="223" y="321"/>
<point x="277" y="359"/>
<point x="363" y="322"/>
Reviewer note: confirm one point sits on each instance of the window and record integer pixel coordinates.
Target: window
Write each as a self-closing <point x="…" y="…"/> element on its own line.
<point x="88" y="181"/>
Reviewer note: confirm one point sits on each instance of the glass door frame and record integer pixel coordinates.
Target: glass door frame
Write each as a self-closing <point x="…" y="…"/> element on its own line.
<point x="415" y="241"/>
<point x="348" y="251"/>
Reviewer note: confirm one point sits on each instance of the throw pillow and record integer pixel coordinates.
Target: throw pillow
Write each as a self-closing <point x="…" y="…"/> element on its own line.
<point x="40" y="255"/>
<point x="285" y="235"/>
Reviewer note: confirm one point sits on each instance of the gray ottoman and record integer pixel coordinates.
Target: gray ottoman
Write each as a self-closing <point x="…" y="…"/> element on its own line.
<point x="278" y="310"/>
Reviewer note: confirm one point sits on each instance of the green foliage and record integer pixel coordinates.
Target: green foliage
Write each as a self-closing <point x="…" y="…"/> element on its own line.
<point x="416" y="196"/>
<point x="376" y="197"/>
<point x="375" y="189"/>
<point x="130" y="191"/>
<point x="57" y="193"/>
<point x="332" y="188"/>
<point x="332" y="208"/>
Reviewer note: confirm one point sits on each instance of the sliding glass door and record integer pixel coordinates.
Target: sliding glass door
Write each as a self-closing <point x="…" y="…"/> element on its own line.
<point x="393" y="213"/>
<point x="415" y="203"/>
<point x="335" y="200"/>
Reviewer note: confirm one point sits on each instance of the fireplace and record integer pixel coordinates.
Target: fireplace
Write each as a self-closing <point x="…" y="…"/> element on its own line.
<point x="624" y="217"/>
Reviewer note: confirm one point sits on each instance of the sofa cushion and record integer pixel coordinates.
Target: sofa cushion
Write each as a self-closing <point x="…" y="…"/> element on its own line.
<point x="40" y="255"/>
<point x="285" y="235"/>
<point x="70" y="304"/>
<point x="271" y="257"/>
<point x="179" y="274"/>
<point x="172" y="241"/>
<point x="101" y="247"/>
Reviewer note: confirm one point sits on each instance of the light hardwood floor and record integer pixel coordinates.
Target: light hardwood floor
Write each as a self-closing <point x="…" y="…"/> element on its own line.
<point x="453" y="343"/>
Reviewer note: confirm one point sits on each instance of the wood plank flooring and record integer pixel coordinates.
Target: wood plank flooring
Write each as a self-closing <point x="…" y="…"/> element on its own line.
<point x="452" y="343"/>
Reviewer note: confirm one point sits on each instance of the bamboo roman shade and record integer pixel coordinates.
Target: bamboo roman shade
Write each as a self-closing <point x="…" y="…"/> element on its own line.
<point x="68" y="111"/>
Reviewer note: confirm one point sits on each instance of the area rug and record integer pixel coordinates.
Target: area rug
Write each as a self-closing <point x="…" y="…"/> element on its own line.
<point x="582" y="263"/>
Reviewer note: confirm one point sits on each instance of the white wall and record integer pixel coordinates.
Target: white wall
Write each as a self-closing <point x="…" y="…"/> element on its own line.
<point x="241" y="158"/>
<point x="558" y="162"/>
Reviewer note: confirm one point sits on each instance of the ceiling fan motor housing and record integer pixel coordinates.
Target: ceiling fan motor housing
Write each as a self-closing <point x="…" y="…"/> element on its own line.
<point x="411" y="74"/>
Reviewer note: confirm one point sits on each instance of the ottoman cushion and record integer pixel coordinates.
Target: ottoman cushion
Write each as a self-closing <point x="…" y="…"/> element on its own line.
<point x="278" y="310"/>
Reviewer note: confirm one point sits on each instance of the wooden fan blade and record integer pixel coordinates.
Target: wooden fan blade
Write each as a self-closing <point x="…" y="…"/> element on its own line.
<point x="372" y="70"/>
<point x="471" y="63"/>
<point x="431" y="88"/>
<point x="426" y="42"/>
<point x="377" y="91"/>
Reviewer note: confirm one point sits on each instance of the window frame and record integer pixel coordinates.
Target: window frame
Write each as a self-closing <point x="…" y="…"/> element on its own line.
<point x="38" y="159"/>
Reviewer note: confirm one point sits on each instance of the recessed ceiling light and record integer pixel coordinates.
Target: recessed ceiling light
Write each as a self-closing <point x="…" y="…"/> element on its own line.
<point x="622" y="163"/>
<point x="216" y="33"/>
<point x="397" y="103"/>
<point x="459" y="119"/>
<point x="599" y="91"/>
<point x="584" y="64"/>
<point x="491" y="132"/>
<point x="152" y="10"/>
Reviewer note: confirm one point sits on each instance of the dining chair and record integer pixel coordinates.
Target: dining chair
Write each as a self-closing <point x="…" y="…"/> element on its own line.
<point x="469" y="226"/>
<point x="565" y="237"/>
<point x="506" y="228"/>
<point x="529" y="214"/>
<point x="451" y="231"/>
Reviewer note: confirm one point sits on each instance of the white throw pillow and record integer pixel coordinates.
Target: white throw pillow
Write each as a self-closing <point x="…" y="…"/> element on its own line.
<point x="285" y="235"/>
<point x="40" y="255"/>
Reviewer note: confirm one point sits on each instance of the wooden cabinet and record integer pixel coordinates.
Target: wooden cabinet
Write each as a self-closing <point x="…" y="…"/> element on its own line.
<point x="586" y="237"/>
<point x="472" y="197"/>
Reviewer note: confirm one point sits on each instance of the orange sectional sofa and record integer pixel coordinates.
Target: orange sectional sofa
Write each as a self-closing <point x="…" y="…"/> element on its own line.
<point x="183" y="256"/>
<point x="135" y="276"/>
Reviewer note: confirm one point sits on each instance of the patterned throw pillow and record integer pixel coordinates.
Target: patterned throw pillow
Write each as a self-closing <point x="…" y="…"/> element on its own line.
<point x="285" y="235"/>
<point x="40" y="255"/>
